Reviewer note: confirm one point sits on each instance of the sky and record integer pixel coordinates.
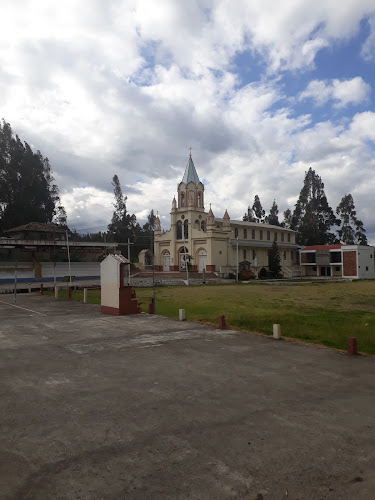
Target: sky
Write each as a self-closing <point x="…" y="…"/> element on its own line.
<point x="261" y="91"/>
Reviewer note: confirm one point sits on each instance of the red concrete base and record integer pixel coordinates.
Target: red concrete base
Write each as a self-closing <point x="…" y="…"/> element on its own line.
<point x="210" y="268"/>
<point x="110" y="310"/>
<point x="352" y="346"/>
<point x="222" y="324"/>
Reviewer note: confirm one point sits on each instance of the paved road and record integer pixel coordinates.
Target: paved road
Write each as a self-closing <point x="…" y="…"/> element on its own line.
<point x="101" y="407"/>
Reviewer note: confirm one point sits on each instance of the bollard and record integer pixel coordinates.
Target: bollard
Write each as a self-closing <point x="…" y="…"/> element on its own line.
<point x="222" y="324"/>
<point x="56" y="292"/>
<point x="352" y="346"/>
<point x="29" y="288"/>
<point x="151" y="307"/>
<point x="276" y="331"/>
<point x="181" y="314"/>
<point x="85" y="295"/>
<point x="41" y="289"/>
<point x="69" y="293"/>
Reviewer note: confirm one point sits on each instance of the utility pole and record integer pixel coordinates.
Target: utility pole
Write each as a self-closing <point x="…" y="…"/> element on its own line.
<point x="237" y="261"/>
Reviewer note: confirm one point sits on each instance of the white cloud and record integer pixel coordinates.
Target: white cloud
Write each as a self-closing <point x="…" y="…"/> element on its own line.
<point x="344" y="92"/>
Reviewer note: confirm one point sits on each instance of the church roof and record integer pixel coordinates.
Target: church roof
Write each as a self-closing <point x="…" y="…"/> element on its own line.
<point x="190" y="174"/>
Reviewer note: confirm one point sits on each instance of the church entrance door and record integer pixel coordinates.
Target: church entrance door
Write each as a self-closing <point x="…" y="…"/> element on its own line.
<point x="202" y="260"/>
<point x="166" y="261"/>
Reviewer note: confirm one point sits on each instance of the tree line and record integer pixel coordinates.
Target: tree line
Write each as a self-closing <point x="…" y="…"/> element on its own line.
<point x="312" y="218"/>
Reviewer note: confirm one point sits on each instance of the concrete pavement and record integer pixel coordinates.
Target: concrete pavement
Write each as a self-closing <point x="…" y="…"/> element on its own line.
<point x="101" y="407"/>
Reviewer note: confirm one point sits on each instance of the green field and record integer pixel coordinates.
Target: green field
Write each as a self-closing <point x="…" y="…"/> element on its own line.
<point x="324" y="313"/>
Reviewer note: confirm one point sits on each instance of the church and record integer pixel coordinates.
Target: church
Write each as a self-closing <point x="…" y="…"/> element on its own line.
<point x="201" y="241"/>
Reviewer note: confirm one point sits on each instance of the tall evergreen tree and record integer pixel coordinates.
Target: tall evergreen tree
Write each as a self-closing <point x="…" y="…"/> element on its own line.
<point x="274" y="261"/>
<point x="258" y="211"/>
<point x="352" y="231"/>
<point x="249" y="215"/>
<point x="313" y="218"/>
<point x="287" y="222"/>
<point x="273" y="216"/>
<point x="27" y="189"/>
<point x="123" y="225"/>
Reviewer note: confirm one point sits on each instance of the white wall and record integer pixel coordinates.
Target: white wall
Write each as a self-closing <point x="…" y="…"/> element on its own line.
<point x="366" y="262"/>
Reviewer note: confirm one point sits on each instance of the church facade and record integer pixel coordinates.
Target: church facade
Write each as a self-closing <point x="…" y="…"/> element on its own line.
<point x="204" y="242"/>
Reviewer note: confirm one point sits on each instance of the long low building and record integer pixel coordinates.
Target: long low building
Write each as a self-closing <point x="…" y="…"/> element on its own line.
<point x="38" y="251"/>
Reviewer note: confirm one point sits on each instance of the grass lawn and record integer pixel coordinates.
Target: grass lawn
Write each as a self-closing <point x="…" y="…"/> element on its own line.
<point x="324" y="313"/>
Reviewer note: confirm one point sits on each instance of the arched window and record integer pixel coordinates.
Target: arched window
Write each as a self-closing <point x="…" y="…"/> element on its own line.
<point x="245" y="236"/>
<point x="288" y="237"/>
<point x="182" y="199"/>
<point x="199" y="199"/>
<point x="253" y="234"/>
<point x="282" y="236"/>
<point x="254" y="254"/>
<point x="197" y="224"/>
<point x="186" y="229"/>
<point x="236" y="232"/>
<point x="268" y="235"/>
<point x="203" y="225"/>
<point x="260" y="234"/>
<point x="179" y="230"/>
<point x="244" y="255"/>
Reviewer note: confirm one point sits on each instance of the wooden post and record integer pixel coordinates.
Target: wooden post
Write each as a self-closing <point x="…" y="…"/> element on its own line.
<point x="352" y="346"/>
<point x="85" y="295"/>
<point x="222" y="324"/>
<point x="41" y="289"/>
<point x="69" y="293"/>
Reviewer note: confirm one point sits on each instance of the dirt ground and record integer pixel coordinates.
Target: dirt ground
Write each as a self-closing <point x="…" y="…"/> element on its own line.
<point x="102" y="407"/>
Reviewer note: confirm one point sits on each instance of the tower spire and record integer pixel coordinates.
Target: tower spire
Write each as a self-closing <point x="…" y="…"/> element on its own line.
<point x="190" y="174"/>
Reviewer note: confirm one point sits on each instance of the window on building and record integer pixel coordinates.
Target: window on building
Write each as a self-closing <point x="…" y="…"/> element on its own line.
<point x="245" y="234"/>
<point x="179" y="230"/>
<point x="254" y="254"/>
<point x="284" y="255"/>
<point x="236" y="232"/>
<point x="260" y="234"/>
<point x="244" y="255"/>
<point x="275" y="236"/>
<point x="199" y="199"/>
<point x="311" y="258"/>
<point x="186" y="229"/>
<point x="268" y="235"/>
<point x="253" y="234"/>
<point x="203" y="225"/>
<point x="197" y="224"/>
<point x="288" y="237"/>
<point x="282" y="236"/>
<point x="366" y="268"/>
<point x="182" y="199"/>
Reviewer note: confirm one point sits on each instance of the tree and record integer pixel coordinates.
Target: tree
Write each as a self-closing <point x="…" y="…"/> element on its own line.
<point x="273" y="217"/>
<point x="258" y="210"/>
<point x="249" y="215"/>
<point x="313" y="217"/>
<point x="27" y="189"/>
<point x="274" y="261"/>
<point x="287" y="222"/>
<point x="352" y="231"/>
<point x="123" y="225"/>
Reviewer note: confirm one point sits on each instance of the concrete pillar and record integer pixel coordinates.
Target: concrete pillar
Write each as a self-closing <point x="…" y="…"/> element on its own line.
<point x="222" y="324"/>
<point x="85" y="295"/>
<point x="56" y="292"/>
<point x="352" y="346"/>
<point x="181" y="314"/>
<point x="29" y="288"/>
<point x="276" y="331"/>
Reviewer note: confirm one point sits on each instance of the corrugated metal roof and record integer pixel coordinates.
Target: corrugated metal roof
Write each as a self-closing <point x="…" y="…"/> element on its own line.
<point x="190" y="174"/>
<point x="36" y="226"/>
